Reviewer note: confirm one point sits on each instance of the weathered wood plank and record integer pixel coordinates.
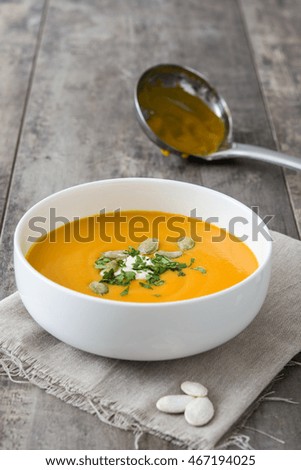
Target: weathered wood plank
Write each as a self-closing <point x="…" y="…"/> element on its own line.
<point x="19" y="26"/>
<point x="80" y="126"/>
<point x="275" y="34"/>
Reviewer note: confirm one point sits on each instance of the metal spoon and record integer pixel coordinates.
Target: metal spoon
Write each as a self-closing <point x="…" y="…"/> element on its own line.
<point x="174" y="76"/>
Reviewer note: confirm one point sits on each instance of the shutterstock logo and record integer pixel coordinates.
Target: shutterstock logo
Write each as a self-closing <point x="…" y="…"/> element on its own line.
<point x="111" y="226"/>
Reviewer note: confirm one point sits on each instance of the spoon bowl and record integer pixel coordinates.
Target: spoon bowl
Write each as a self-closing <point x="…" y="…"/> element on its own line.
<point x="193" y="84"/>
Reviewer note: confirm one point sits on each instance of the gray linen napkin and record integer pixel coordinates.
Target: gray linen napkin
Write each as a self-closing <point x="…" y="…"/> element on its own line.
<point x="124" y="393"/>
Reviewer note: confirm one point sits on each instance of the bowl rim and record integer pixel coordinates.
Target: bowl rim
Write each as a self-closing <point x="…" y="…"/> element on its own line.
<point x="81" y="295"/>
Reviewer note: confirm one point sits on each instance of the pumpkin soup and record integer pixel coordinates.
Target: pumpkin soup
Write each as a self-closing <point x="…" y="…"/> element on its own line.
<point x="150" y="257"/>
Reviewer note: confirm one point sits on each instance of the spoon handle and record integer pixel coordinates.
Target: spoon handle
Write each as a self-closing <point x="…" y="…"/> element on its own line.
<point x="263" y="154"/>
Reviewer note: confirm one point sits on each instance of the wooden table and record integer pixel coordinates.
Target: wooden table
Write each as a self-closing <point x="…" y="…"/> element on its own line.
<point x="67" y="76"/>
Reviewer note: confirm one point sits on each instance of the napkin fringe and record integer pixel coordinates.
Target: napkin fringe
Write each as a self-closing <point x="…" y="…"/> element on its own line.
<point x="16" y="365"/>
<point x="241" y="441"/>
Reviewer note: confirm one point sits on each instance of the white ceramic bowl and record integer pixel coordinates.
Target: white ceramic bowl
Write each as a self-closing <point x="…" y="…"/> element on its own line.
<point x="142" y="331"/>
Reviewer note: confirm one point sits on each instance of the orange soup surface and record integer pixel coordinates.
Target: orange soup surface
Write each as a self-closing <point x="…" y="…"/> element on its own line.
<point x="67" y="256"/>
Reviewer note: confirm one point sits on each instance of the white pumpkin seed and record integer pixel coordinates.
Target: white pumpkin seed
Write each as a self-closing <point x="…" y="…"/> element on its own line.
<point x="170" y="254"/>
<point x="194" y="389"/>
<point x="99" y="288"/>
<point x="186" y="243"/>
<point x="199" y="411"/>
<point x="173" y="404"/>
<point x="114" y="254"/>
<point x="148" y="246"/>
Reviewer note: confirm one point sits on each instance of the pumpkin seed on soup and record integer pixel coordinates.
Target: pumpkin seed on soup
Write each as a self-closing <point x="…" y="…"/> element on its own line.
<point x="99" y="288"/>
<point x="170" y="254"/>
<point x="148" y="246"/>
<point x="186" y="243"/>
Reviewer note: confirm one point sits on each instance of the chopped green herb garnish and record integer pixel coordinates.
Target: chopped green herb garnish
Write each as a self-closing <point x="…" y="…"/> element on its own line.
<point x="108" y="276"/>
<point x="124" y="278"/>
<point x="132" y="251"/>
<point x="201" y="269"/>
<point x="140" y="264"/>
<point x="121" y="263"/>
<point x="115" y="270"/>
<point x="146" y="286"/>
<point x="101" y="262"/>
<point x="125" y="291"/>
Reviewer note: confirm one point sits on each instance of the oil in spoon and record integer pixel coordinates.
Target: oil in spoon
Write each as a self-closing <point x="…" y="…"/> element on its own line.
<point x="181" y="120"/>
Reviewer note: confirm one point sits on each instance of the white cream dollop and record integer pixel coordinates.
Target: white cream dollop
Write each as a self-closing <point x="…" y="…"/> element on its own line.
<point x="129" y="263"/>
